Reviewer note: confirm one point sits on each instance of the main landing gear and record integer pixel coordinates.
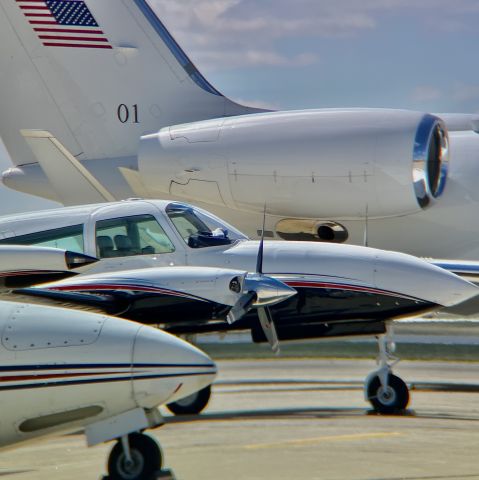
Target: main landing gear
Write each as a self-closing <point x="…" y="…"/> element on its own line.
<point x="135" y="457"/>
<point x="192" y="404"/>
<point x="386" y="392"/>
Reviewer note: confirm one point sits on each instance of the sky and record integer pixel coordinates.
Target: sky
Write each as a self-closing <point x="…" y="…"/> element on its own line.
<point x="331" y="53"/>
<point x="281" y="54"/>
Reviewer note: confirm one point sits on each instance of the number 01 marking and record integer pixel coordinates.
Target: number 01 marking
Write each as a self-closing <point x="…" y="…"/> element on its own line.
<point x="126" y="114"/>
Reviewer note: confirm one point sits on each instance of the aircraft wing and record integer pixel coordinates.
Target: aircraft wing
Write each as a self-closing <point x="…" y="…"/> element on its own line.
<point x="72" y="181"/>
<point x="467" y="269"/>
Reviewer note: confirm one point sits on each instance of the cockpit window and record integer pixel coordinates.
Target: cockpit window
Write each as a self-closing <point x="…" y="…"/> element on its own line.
<point x="127" y="236"/>
<point x="201" y="229"/>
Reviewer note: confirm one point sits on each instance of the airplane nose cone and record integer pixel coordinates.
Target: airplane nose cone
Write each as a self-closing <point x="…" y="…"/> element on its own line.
<point x="452" y="289"/>
<point x="166" y="368"/>
<point x="269" y="291"/>
<point x="420" y="279"/>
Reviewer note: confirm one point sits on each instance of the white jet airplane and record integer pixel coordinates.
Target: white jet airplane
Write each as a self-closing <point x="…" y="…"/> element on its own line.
<point x="341" y="290"/>
<point x="105" y="76"/>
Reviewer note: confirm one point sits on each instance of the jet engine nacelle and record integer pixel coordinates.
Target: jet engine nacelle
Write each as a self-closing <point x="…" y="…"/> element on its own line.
<point x="312" y="163"/>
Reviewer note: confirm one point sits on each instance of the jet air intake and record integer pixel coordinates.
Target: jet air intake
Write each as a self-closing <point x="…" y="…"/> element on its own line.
<point x="316" y="164"/>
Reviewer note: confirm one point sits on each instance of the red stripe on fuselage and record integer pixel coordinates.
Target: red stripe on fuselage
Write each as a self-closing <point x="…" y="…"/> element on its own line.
<point x="75" y="45"/>
<point x="339" y="286"/>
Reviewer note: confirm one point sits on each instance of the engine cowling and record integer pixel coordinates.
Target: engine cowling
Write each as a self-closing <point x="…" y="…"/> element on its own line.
<point x="338" y="164"/>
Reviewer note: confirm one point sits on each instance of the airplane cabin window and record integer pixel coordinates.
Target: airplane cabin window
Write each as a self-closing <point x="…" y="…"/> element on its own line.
<point x="127" y="236"/>
<point x="67" y="238"/>
<point x="200" y="229"/>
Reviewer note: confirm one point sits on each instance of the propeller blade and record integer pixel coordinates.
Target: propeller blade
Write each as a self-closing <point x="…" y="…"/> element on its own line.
<point x="241" y="307"/>
<point x="267" y="324"/>
<point x="259" y="260"/>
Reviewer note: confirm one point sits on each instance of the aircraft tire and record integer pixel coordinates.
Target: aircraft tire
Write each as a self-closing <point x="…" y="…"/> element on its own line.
<point x="392" y="400"/>
<point x="146" y="459"/>
<point x="191" y="405"/>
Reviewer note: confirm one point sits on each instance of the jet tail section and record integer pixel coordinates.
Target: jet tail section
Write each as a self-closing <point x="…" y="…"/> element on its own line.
<point x="98" y="74"/>
<point x="72" y="182"/>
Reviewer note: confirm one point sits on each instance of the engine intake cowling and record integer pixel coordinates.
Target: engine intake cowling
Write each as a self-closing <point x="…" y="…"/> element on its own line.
<point x="340" y="164"/>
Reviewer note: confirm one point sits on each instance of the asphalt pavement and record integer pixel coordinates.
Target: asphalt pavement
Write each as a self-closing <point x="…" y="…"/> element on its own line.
<point x="301" y="420"/>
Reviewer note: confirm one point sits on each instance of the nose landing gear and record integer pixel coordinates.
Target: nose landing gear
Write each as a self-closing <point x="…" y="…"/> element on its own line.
<point x="386" y="392"/>
<point x="136" y="457"/>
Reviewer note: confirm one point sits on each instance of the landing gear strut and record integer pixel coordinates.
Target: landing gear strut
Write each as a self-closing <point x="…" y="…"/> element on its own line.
<point x="191" y="405"/>
<point x="134" y="457"/>
<point x="386" y="392"/>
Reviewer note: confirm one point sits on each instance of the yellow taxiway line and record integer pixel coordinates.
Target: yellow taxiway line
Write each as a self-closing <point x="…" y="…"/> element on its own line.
<point x="326" y="438"/>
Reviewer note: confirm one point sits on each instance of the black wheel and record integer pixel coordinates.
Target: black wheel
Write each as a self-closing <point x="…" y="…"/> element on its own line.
<point x="392" y="399"/>
<point x="146" y="459"/>
<point x="192" y="404"/>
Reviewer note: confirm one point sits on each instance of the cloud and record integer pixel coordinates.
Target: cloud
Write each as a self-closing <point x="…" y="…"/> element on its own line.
<point x="259" y="58"/>
<point x="465" y="93"/>
<point x="219" y="34"/>
<point x="458" y="96"/>
<point x="426" y="93"/>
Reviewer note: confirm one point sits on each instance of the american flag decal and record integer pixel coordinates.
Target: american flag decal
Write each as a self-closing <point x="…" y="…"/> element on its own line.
<point x="64" y="23"/>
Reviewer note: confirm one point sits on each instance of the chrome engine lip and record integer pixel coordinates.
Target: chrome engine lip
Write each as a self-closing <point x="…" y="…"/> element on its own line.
<point x="424" y="188"/>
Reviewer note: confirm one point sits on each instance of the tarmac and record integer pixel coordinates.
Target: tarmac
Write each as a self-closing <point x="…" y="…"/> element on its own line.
<point x="301" y="420"/>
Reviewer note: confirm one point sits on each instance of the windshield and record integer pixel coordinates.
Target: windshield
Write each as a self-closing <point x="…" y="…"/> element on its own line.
<point x="200" y="229"/>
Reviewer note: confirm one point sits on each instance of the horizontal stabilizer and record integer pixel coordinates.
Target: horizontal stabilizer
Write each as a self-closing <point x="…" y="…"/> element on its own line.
<point x="135" y="182"/>
<point x="72" y="182"/>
